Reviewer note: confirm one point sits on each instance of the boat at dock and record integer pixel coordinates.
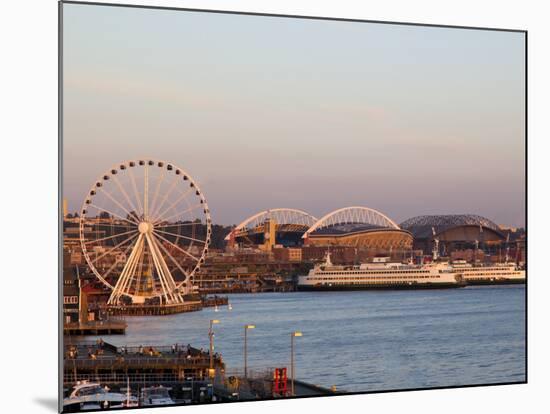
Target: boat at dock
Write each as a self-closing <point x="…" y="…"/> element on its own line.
<point x="156" y="395"/>
<point x="86" y="396"/>
<point x="380" y="274"/>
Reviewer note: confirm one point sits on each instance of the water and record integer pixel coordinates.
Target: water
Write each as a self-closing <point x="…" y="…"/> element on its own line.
<point x="362" y="340"/>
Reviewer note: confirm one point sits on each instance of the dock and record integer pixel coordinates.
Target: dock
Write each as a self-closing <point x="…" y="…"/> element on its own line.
<point x="111" y="326"/>
<point x="215" y="301"/>
<point x="196" y="304"/>
<point x="152" y="310"/>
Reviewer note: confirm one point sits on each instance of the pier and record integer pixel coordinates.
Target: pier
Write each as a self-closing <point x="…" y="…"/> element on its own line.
<point x="147" y="365"/>
<point x="165" y="309"/>
<point x="110" y="326"/>
<point x="152" y="310"/>
<point x="179" y="367"/>
<point x="215" y="301"/>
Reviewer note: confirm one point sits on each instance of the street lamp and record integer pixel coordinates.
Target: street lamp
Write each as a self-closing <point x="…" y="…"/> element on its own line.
<point x="292" y="336"/>
<point x="246" y="328"/>
<point x="211" y="336"/>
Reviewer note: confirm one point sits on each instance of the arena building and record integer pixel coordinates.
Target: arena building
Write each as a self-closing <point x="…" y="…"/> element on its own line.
<point x="351" y="227"/>
<point x="266" y="229"/>
<point x="359" y="227"/>
<point x="455" y="232"/>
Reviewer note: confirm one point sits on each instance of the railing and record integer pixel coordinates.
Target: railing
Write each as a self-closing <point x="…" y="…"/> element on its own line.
<point x="95" y="325"/>
<point x="108" y="320"/>
<point x="150" y="309"/>
<point x="134" y="349"/>
<point x="102" y="361"/>
<point x="132" y="378"/>
<point x="161" y="349"/>
<point x="103" y="355"/>
<point x="252" y="373"/>
<point x="84" y="347"/>
<point x="149" y="305"/>
<point x="115" y="319"/>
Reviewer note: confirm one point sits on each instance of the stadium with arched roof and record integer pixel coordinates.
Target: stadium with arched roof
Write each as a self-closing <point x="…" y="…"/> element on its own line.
<point x="358" y="227"/>
<point x="284" y="226"/>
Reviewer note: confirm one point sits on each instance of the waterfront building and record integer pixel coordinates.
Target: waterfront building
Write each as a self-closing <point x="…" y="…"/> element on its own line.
<point x="71" y="291"/>
<point x="288" y="254"/>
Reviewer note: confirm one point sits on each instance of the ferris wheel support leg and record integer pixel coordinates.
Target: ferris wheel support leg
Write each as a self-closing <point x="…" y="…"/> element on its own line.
<point x="121" y="287"/>
<point x="177" y="265"/>
<point x="117" y="291"/>
<point x="125" y="288"/>
<point x="165" y="276"/>
<point x="157" y="267"/>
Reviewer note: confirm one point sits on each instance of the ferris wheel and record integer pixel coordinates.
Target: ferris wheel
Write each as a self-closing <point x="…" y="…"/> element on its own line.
<point x="145" y="229"/>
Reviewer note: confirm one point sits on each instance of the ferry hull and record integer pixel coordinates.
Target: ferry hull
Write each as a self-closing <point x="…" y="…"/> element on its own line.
<point x="486" y="282"/>
<point x="381" y="286"/>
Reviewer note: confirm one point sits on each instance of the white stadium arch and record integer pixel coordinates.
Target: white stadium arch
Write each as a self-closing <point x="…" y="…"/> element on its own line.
<point x="352" y="215"/>
<point x="280" y="215"/>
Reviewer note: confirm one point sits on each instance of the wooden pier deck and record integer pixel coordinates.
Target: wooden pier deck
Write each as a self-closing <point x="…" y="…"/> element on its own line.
<point x="152" y="310"/>
<point x="215" y="301"/>
<point x="106" y="327"/>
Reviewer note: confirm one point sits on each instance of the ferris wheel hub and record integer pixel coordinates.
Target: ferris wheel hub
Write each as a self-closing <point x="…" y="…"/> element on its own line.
<point x="145" y="227"/>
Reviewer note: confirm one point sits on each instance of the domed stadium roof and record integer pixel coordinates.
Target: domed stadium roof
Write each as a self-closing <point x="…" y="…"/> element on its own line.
<point x="421" y="226"/>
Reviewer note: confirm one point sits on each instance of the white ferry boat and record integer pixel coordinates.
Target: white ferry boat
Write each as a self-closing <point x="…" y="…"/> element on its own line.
<point x="380" y="274"/>
<point x="499" y="273"/>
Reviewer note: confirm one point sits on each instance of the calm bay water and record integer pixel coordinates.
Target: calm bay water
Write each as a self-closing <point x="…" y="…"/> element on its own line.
<point x="363" y="340"/>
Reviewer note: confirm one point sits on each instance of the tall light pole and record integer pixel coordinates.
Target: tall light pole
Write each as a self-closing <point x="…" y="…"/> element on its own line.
<point x="246" y="328"/>
<point x="292" y="336"/>
<point x="211" y="336"/>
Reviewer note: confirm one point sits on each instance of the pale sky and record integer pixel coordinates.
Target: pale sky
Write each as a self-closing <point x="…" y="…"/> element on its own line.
<point x="269" y="112"/>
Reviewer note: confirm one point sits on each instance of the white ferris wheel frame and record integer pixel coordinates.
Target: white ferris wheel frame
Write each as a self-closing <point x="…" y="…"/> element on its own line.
<point x="145" y="232"/>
